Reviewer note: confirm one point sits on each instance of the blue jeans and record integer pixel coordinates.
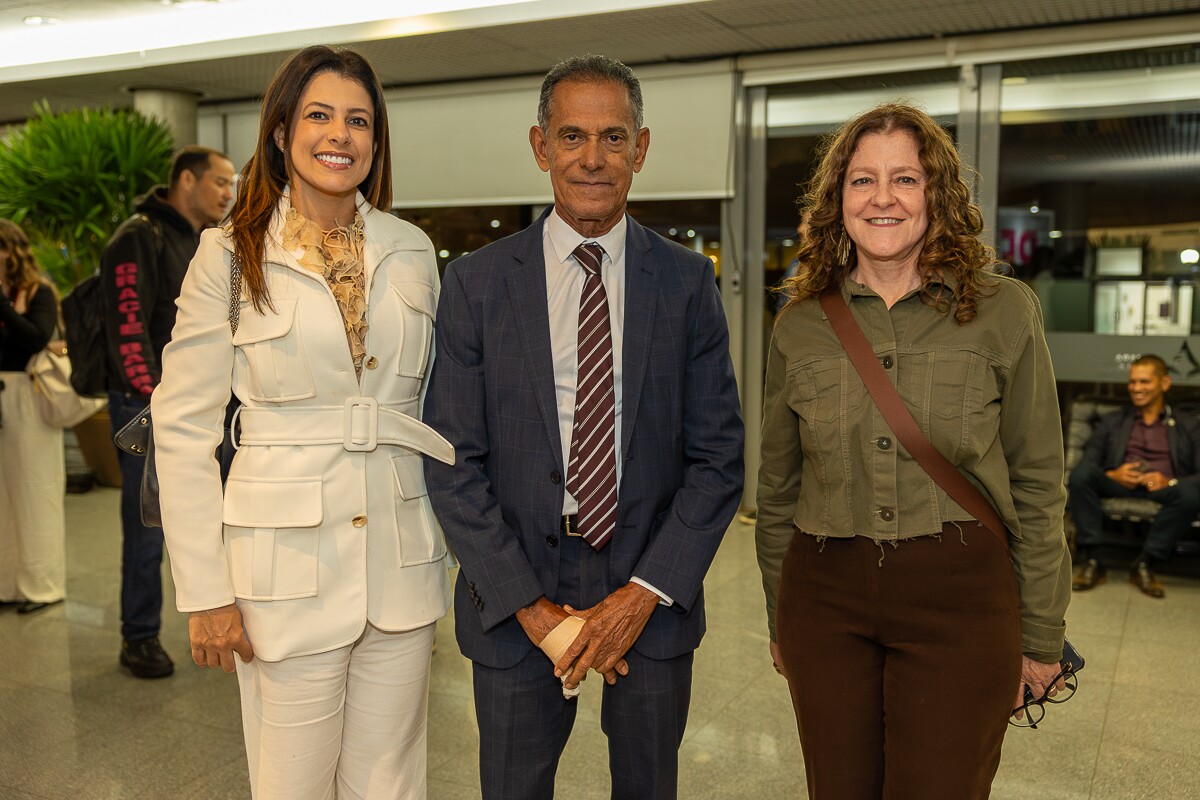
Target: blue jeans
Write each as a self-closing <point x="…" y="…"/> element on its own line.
<point x="142" y="546"/>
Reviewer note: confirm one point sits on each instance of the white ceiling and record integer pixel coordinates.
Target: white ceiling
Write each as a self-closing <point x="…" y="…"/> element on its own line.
<point x="229" y="50"/>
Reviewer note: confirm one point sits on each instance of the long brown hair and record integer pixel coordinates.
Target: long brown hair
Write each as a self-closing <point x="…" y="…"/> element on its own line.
<point x="952" y="247"/>
<point x="22" y="270"/>
<point x="266" y="173"/>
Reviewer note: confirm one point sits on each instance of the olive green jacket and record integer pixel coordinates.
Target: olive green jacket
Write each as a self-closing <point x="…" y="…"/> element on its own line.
<point x="983" y="393"/>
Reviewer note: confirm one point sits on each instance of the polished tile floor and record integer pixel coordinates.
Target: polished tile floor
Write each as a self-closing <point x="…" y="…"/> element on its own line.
<point x="74" y="725"/>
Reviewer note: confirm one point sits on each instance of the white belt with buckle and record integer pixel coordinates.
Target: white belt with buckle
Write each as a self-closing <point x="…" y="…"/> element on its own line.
<point x="359" y="425"/>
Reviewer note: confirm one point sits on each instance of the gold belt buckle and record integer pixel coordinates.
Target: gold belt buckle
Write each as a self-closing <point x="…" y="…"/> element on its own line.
<point x="567" y="525"/>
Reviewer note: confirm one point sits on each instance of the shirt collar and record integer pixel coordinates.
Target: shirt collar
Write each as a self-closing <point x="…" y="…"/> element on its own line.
<point x="564" y="239"/>
<point x="1161" y="419"/>
<point x="949" y="283"/>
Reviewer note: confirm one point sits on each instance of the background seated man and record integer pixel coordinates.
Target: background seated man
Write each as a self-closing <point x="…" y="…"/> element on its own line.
<point x="1146" y="451"/>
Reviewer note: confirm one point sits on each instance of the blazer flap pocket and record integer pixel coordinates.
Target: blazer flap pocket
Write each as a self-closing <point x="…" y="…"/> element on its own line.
<point x="410" y="476"/>
<point x="272" y="502"/>
<point x="254" y="327"/>
<point x="418" y="296"/>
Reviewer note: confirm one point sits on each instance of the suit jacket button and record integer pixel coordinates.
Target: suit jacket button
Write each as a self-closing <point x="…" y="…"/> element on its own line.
<point x="360" y="521"/>
<point x="555" y="476"/>
<point x="372" y="363"/>
<point x="552" y="541"/>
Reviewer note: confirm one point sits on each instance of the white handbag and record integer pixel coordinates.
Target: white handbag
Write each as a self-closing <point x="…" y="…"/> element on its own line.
<point x="57" y="402"/>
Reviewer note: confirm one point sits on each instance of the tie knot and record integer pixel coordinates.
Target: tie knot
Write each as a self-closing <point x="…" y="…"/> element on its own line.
<point x="589" y="255"/>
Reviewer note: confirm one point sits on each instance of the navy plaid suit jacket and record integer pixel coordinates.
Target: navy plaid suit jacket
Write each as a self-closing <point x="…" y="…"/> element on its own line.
<point x="491" y="394"/>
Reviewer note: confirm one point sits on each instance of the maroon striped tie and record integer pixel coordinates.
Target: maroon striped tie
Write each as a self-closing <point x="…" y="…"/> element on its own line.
<point x="592" y="471"/>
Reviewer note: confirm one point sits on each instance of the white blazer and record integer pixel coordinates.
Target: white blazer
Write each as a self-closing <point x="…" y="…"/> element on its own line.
<point x="324" y="523"/>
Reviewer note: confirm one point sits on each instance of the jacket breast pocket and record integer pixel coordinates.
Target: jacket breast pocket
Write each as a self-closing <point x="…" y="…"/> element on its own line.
<point x="274" y="351"/>
<point x="954" y="384"/>
<point x="421" y="538"/>
<point x="418" y="305"/>
<point x="272" y="536"/>
<point x="823" y="391"/>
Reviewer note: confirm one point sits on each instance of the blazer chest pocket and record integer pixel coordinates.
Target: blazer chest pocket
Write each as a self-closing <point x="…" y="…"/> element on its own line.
<point x="418" y="304"/>
<point x="421" y="538"/>
<point x="272" y="536"/>
<point x="274" y="351"/>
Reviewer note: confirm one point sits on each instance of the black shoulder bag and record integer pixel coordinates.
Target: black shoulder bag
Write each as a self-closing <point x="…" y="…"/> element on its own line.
<point x="137" y="437"/>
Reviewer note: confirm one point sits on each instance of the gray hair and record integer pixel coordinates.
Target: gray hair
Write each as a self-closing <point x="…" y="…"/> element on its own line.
<point x="590" y="69"/>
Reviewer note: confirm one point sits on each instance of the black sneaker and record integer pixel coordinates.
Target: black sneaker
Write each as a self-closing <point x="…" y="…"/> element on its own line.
<point x="146" y="658"/>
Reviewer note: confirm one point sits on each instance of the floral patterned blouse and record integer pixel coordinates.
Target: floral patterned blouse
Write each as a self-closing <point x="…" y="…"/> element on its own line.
<point x="337" y="255"/>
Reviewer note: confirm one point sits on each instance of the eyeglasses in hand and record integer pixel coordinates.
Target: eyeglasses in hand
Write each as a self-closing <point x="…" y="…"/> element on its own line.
<point x="1033" y="710"/>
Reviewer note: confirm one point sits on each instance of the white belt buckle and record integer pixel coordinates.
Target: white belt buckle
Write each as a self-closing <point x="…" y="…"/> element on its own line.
<point x="360" y="424"/>
<point x="234" y="438"/>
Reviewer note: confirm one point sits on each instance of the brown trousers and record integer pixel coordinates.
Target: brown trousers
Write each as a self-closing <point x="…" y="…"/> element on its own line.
<point x="903" y="662"/>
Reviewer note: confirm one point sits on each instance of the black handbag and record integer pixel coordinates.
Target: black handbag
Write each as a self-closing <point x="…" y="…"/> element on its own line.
<point x="137" y="436"/>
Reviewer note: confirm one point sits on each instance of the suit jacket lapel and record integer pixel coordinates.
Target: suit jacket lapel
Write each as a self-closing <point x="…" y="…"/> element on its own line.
<point x="1121" y="441"/>
<point x="527" y="298"/>
<point x="641" y="298"/>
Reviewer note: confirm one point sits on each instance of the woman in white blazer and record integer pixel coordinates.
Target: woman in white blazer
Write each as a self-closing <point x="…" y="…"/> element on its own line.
<point x="319" y="562"/>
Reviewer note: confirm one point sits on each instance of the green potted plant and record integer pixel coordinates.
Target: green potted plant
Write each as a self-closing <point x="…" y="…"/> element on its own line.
<point x="69" y="179"/>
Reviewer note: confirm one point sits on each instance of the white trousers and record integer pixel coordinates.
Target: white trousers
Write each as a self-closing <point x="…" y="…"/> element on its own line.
<point x="33" y="479"/>
<point x="349" y="723"/>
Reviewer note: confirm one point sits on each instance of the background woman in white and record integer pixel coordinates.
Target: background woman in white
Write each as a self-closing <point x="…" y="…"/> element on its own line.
<point x="32" y="475"/>
<point x="319" y="564"/>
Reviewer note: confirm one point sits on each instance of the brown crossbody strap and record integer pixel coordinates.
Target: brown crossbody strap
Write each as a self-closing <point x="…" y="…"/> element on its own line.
<point x="900" y="419"/>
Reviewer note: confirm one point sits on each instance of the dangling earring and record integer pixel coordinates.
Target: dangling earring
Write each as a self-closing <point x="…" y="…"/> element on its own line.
<point x="843" y="249"/>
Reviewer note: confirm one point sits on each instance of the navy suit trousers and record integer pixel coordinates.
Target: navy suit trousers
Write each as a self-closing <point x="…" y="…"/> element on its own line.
<point x="524" y="721"/>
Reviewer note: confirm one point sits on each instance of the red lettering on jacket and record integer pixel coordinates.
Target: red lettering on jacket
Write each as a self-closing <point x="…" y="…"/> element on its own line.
<point x="129" y="305"/>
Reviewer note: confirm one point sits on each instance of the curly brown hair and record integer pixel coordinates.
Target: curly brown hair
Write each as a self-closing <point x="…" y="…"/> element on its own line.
<point x="22" y="270"/>
<point x="952" y="247"/>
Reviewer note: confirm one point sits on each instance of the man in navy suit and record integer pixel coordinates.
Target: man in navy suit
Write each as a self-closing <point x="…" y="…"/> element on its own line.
<point x="535" y="558"/>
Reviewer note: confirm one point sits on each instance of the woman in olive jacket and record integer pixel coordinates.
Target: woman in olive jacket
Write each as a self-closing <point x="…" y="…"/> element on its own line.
<point x="906" y="630"/>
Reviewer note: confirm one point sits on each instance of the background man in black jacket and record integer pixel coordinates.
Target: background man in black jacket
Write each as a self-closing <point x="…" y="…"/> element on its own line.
<point x="1146" y="451"/>
<point x="142" y="270"/>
